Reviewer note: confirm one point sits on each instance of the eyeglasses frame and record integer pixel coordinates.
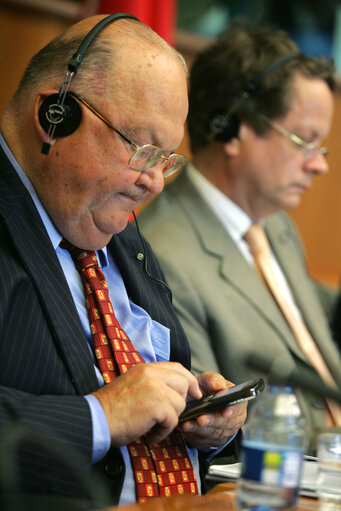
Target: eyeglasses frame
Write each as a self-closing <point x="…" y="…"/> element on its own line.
<point x="308" y="147"/>
<point x="178" y="157"/>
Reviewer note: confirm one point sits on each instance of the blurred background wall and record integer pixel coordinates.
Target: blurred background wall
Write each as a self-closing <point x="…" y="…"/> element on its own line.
<point x="26" y="25"/>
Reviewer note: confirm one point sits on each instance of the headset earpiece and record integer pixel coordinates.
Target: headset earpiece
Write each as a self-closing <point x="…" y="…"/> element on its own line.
<point x="225" y="127"/>
<point x="65" y="118"/>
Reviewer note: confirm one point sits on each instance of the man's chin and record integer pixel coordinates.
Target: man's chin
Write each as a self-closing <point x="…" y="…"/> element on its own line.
<point x="104" y="231"/>
<point x="118" y="225"/>
<point x="293" y="201"/>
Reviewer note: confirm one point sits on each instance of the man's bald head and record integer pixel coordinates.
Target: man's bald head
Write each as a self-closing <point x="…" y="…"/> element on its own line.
<point x="101" y="62"/>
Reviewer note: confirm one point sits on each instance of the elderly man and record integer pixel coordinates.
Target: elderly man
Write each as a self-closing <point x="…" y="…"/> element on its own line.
<point x="84" y="141"/>
<point x="258" y="112"/>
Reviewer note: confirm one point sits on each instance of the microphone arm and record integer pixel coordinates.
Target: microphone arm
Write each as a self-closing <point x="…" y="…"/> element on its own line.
<point x="276" y="371"/>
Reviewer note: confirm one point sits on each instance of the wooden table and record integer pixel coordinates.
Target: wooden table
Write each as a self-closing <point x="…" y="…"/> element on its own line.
<point x="229" y="489"/>
<point x="221" y="498"/>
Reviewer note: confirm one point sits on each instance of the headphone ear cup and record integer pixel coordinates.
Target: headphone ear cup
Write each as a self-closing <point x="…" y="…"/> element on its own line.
<point x="65" y="118"/>
<point x="229" y="130"/>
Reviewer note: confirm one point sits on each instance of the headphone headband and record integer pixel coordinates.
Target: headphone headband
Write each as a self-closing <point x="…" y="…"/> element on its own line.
<point x="225" y="123"/>
<point x="254" y="84"/>
<point x="78" y="56"/>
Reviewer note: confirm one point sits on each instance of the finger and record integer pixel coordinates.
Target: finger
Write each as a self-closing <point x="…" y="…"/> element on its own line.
<point x="239" y="409"/>
<point x="181" y="381"/>
<point x="163" y="429"/>
<point x="213" y="382"/>
<point x="209" y="433"/>
<point x="174" y="399"/>
<point x="158" y="433"/>
<point x="170" y="408"/>
<point x="229" y="415"/>
<point x="194" y="390"/>
<point x="230" y="422"/>
<point x="169" y="371"/>
<point x="214" y="429"/>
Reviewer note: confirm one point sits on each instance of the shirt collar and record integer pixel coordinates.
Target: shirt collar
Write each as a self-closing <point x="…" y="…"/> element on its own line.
<point x="234" y="219"/>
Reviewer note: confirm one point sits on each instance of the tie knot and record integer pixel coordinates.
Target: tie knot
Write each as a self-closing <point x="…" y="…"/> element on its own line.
<point x="82" y="258"/>
<point x="256" y="239"/>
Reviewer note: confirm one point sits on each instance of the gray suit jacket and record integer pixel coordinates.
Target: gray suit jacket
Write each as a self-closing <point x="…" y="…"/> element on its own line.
<point x="225" y="309"/>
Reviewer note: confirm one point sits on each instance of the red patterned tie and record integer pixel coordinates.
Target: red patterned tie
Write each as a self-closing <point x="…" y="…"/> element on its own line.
<point x="161" y="469"/>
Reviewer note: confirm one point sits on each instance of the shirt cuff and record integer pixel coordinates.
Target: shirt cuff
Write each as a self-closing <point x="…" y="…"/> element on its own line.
<point x="100" y="429"/>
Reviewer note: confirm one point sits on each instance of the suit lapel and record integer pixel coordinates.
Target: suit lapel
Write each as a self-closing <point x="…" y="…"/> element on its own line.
<point x="144" y="291"/>
<point x="284" y="246"/>
<point x="233" y="268"/>
<point x="38" y="257"/>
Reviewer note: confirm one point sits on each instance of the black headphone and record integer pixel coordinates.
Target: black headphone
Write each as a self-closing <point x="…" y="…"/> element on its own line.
<point x="60" y="114"/>
<point x="225" y="126"/>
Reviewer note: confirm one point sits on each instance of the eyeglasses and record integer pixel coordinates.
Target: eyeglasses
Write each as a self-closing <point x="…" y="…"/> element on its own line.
<point x="144" y="156"/>
<point x="308" y="147"/>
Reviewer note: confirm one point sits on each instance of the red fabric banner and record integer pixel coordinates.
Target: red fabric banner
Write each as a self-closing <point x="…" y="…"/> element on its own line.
<point x="157" y="14"/>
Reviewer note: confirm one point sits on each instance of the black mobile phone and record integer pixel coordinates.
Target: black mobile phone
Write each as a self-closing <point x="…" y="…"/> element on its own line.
<point x="223" y="398"/>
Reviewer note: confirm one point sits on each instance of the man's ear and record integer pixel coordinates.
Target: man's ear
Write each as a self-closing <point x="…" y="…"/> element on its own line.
<point x="232" y="147"/>
<point x="37" y="104"/>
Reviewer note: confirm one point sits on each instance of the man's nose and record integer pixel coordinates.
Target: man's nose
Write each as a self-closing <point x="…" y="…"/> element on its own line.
<point x="317" y="163"/>
<point x="152" y="179"/>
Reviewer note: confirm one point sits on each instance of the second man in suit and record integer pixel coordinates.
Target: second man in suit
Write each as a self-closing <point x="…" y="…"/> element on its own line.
<point x="259" y="112"/>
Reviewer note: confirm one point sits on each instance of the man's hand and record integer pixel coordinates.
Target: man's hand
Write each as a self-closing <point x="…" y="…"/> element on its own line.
<point x="147" y="400"/>
<point x="214" y="429"/>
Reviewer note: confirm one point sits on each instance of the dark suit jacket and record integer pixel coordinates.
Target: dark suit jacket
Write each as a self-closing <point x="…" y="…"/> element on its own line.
<point x="45" y="365"/>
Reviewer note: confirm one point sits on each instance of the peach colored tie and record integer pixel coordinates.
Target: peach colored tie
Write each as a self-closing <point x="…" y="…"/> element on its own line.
<point x="260" y="249"/>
